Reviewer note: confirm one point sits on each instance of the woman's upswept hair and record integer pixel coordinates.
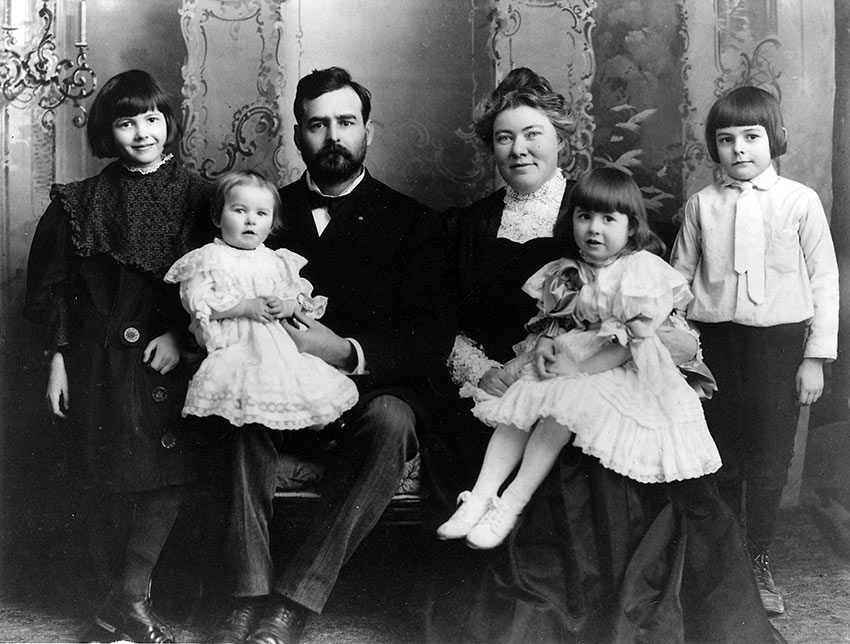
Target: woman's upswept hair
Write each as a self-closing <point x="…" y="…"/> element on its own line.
<point x="523" y="86"/>
<point x="126" y="94"/>
<point x="607" y="190"/>
<point x="226" y="182"/>
<point x="744" y="106"/>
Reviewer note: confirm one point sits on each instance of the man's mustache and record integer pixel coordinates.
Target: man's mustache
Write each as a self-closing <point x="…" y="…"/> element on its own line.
<point x="334" y="148"/>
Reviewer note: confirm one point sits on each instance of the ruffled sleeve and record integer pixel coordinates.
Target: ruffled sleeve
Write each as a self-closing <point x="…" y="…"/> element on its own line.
<point x="467" y="361"/>
<point x="644" y="290"/>
<point x="291" y="263"/>
<point x="205" y="286"/>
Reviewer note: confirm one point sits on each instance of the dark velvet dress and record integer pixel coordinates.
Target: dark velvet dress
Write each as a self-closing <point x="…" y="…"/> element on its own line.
<point x="94" y="281"/>
<point x="596" y="557"/>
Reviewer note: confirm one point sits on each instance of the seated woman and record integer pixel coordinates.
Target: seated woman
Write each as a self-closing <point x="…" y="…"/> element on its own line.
<point x="596" y="556"/>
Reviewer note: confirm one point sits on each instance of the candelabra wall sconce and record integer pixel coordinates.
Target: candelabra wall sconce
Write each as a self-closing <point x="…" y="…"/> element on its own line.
<point x="40" y="74"/>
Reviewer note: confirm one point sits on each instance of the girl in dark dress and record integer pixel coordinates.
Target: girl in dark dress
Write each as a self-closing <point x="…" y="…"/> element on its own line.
<point x="596" y="556"/>
<point x="94" y="281"/>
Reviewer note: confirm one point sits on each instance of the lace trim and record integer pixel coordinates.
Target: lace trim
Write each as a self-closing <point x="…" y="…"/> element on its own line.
<point x="160" y="163"/>
<point x="467" y="362"/>
<point x="532" y="215"/>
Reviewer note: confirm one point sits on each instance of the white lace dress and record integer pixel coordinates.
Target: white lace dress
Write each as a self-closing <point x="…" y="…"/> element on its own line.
<point x="640" y="419"/>
<point x="253" y="372"/>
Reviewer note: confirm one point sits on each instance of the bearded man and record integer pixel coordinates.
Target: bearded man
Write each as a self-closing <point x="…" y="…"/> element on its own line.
<point x="379" y="257"/>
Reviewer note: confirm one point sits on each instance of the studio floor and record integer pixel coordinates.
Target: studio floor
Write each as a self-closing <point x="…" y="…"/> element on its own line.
<point x="384" y="596"/>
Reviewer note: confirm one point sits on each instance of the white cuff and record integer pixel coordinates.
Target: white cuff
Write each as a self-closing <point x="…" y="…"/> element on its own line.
<point x="360" y="369"/>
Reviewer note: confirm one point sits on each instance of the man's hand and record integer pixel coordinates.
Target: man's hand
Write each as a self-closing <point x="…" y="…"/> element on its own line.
<point x="280" y="308"/>
<point x="57" y="386"/>
<point x="809" y="381"/>
<point x="162" y="353"/>
<point x="496" y="381"/>
<point x="313" y="337"/>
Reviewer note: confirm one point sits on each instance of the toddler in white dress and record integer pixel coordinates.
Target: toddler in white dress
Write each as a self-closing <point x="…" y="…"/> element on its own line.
<point x="238" y="293"/>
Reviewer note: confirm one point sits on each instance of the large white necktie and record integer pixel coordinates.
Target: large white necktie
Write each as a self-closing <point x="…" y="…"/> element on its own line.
<point x="749" y="241"/>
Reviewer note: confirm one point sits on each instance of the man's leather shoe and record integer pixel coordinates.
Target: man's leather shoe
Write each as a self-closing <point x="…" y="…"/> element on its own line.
<point x="282" y="623"/>
<point x="132" y="621"/>
<point x="239" y="623"/>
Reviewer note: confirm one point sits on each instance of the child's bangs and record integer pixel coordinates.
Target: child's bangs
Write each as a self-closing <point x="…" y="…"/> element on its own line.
<point x="741" y="113"/>
<point x="135" y="104"/>
<point x="604" y="196"/>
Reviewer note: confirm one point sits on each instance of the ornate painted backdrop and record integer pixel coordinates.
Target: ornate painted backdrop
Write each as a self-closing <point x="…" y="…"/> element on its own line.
<point x="640" y="77"/>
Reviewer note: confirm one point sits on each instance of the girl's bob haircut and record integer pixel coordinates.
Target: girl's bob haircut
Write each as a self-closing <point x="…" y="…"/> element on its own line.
<point x="744" y="106"/>
<point x="126" y="94"/>
<point x="607" y="190"/>
<point x="226" y="182"/>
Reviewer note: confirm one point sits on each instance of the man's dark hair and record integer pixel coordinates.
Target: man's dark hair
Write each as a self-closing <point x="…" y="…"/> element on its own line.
<point x="322" y="81"/>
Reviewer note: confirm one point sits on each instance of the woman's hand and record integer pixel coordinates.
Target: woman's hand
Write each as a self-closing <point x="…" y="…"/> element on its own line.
<point x="496" y="381"/>
<point x="57" y="386"/>
<point x="162" y="353"/>
<point x="280" y="308"/>
<point x="809" y="381"/>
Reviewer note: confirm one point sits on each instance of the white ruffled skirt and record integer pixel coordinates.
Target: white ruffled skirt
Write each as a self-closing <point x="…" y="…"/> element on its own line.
<point x="262" y="378"/>
<point x="649" y="436"/>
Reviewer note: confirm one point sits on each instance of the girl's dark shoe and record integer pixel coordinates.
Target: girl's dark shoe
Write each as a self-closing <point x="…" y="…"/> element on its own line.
<point x="133" y="621"/>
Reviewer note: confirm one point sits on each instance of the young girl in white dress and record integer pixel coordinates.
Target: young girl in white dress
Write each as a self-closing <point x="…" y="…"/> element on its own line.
<point x="238" y="293"/>
<point x="591" y="369"/>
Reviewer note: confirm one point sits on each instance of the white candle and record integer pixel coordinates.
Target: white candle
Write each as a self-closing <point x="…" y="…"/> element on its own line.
<point x="83" y="21"/>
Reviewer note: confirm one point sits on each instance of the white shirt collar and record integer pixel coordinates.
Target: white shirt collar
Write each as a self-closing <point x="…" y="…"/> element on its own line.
<point x="765" y="181"/>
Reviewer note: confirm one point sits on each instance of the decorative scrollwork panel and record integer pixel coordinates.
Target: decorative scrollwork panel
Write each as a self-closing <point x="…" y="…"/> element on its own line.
<point x="232" y="87"/>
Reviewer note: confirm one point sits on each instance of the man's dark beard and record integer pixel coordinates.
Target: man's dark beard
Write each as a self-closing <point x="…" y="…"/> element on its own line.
<point x="334" y="164"/>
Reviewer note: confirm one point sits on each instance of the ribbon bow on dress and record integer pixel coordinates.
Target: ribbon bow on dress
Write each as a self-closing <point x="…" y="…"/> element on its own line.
<point x="749" y="241"/>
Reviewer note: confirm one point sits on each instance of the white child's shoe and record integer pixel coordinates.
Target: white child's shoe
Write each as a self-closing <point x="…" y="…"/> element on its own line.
<point x="494" y="526"/>
<point x="470" y="510"/>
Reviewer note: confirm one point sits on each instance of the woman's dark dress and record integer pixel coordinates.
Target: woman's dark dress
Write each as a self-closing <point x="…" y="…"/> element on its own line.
<point x="95" y="280"/>
<point x="596" y="557"/>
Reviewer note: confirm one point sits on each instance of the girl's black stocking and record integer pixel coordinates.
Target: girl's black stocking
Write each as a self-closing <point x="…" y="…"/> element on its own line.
<point x="153" y="517"/>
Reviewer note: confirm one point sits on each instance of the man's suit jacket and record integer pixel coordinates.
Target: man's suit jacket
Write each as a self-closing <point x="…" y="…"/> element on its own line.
<point x="381" y="262"/>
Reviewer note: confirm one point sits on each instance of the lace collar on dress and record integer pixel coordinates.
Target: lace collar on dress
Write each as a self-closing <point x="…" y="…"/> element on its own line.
<point x="162" y="161"/>
<point x="532" y="215"/>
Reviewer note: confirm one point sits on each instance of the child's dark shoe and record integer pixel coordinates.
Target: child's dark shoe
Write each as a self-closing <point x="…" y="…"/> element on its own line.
<point x="132" y="621"/>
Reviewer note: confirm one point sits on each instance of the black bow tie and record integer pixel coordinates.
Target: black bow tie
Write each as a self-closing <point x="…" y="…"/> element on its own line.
<point x="330" y="204"/>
